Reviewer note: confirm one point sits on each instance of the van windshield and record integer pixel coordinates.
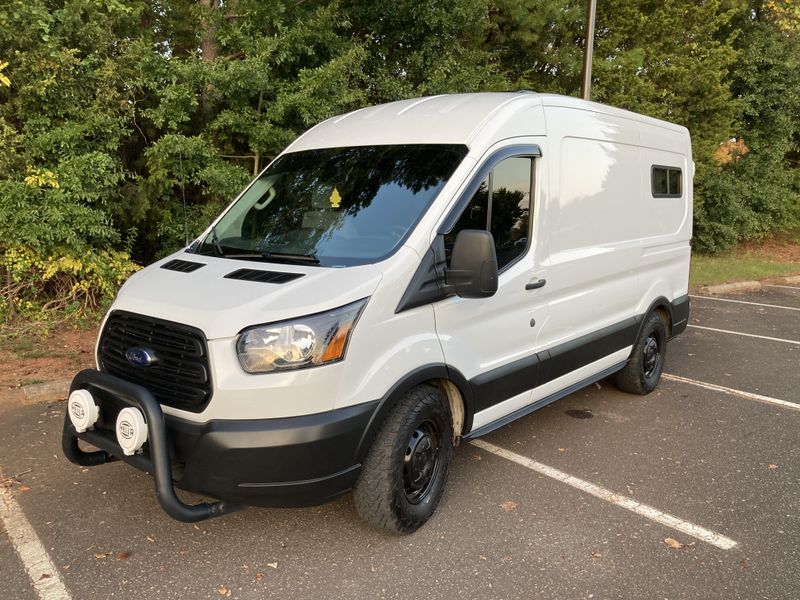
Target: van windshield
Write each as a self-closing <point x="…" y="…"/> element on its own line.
<point x="334" y="207"/>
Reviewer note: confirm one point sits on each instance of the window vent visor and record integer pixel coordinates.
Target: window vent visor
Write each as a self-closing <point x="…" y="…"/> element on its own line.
<point x="182" y="266"/>
<point x="260" y="276"/>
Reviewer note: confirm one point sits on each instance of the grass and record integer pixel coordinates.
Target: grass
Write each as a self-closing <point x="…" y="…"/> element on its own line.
<point x="738" y="266"/>
<point x="28" y="348"/>
<point x="25" y="349"/>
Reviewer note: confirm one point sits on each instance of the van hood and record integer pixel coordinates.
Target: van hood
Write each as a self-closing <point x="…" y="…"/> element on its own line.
<point x="221" y="302"/>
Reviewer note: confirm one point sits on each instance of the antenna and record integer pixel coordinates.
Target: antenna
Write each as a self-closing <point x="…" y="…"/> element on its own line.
<point x="183" y="198"/>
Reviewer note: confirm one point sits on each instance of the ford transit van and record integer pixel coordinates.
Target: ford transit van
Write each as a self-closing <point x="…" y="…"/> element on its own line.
<point x="400" y="279"/>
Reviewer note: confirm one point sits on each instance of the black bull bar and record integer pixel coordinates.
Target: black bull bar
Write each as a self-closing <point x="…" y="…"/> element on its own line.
<point x="156" y="461"/>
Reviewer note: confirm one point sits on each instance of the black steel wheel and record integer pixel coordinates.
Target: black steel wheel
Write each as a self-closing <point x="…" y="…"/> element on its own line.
<point x="643" y="371"/>
<point x="651" y="355"/>
<point x="421" y="461"/>
<point x="404" y="474"/>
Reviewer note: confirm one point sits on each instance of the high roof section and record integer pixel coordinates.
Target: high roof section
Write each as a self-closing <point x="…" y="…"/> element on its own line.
<point x="450" y="119"/>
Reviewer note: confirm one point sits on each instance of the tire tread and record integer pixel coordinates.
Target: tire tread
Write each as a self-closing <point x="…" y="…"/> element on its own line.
<point x="376" y="494"/>
<point x="631" y="378"/>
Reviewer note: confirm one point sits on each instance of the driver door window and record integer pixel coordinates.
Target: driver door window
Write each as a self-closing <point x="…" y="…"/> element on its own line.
<point x="502" y="205"/>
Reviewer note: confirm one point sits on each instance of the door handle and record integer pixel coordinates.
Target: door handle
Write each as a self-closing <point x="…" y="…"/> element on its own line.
<point x="535" y="285"/>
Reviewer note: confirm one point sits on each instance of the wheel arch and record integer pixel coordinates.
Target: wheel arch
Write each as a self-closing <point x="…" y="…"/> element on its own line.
<point x="662" y="305"/>
<point x="453" y="386"/>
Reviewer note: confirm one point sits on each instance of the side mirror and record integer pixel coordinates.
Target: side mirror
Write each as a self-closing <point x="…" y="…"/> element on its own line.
<point x="473" y="264"/>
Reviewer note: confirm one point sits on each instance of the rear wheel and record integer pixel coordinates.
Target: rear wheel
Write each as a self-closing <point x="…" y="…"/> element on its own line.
<point x="404" y="474"/>
<point x="641" y="374"/>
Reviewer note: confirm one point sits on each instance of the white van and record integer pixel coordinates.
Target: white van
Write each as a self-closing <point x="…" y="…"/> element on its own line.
<point x="399" y="279"/>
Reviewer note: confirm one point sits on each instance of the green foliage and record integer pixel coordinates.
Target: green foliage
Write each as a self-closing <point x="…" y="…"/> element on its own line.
<point x="539" y="45"/>
<point x="668" y="60"/>
<point x="37" y="285"/>
<point x="756" y="193"/>
<point x="127" y="125"/>
<point x="4" y="80"/>
<point x="415" y="48"/>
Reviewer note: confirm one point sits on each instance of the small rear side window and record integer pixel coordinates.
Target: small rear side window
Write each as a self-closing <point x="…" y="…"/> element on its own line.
<point x="666" y="182"/>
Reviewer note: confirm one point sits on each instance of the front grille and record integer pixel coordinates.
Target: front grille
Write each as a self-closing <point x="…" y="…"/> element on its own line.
<point x="180" y="374"/>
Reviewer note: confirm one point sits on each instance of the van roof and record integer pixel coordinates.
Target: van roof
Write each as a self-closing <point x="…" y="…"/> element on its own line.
<point x="445" y="119"/>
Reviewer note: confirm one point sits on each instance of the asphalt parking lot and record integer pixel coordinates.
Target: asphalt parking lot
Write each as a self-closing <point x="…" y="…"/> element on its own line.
<point x="574" y="501"/>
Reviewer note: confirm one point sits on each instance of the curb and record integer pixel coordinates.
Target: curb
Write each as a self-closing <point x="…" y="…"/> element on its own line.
<point x="49" y="391"/>
<point x="737" y="286"/>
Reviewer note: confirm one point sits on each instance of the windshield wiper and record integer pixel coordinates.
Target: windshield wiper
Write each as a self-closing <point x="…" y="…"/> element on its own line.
<point x="294" y="258"/>
<point x="299" y="259"/>
<point x="215" y="240"/>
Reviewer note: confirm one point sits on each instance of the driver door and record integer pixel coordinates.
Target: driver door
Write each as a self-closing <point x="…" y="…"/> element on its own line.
<point x="492" y="341"/>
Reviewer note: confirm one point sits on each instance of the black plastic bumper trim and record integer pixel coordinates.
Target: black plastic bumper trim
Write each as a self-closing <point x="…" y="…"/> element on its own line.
<point x="305" y="482"/>
<point x="302" y="460"/>
<point x="158" y="461"/>
<point x="680" y="315"/>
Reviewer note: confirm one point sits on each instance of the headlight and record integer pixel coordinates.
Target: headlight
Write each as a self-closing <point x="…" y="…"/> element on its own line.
<point x="300" y="343"/>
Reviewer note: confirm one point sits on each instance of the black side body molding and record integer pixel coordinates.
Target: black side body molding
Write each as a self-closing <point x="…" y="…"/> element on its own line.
<point x="507" y="381"/>
<point x="502" y="383"/>
<point x="586" y="349"/>
<point x="526" y="410"/>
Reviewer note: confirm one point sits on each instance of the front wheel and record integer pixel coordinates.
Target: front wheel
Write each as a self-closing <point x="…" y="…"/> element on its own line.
<point x="404" y="474"/>
<point x="641" y="374"/>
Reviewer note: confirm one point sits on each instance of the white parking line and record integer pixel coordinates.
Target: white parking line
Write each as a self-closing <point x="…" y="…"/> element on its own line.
<point x="733" y="392"/>
<point x="701" y="533"/>
<point x="42" y="572"/>
<point x="786" y="287"/>
<point x="744" y="302"/>
<point x="752" y="335"/>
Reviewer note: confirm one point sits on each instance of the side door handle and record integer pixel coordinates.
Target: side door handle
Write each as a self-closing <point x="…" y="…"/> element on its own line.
<point x="535" y="285"/>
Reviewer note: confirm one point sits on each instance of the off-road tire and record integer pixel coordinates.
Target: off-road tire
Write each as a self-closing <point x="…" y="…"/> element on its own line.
<point x="641" y="374"/>
<point x="381" y="495"/>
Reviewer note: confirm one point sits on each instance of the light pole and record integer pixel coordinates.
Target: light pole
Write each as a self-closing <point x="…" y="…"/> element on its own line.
<point x="588" y="50"/>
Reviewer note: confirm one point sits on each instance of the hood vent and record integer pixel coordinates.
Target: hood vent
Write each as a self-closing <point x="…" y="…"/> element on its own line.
<point x="263" y="276"/>
<point x="182" y="266"/>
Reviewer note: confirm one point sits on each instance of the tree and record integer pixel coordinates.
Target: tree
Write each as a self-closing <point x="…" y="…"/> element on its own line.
<point x="128" y="124"/>
<point x="538" y="44"/>
<point x="414" y="48"/>
<point x="756" y="189"/>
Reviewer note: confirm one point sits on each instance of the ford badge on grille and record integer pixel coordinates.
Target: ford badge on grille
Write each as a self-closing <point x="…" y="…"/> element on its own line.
<point x="140" y="357"/>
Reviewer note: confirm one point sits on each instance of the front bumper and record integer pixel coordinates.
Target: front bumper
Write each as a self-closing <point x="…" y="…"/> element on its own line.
<point x="294" y="461"/>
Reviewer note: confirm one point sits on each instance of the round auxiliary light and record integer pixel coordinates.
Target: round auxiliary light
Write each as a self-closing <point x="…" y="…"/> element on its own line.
<point x="82" y="410"/>
<point x="131" y="430"/>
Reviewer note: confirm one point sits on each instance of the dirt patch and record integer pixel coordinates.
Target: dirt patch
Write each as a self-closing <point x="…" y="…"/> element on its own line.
<point x="778" y="249"/>
<point x="57" y="355"/>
